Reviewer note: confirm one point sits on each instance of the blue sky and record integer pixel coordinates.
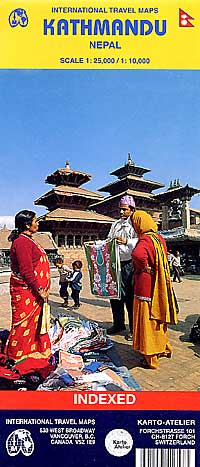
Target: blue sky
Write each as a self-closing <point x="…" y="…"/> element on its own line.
<point x="93" y="119"/>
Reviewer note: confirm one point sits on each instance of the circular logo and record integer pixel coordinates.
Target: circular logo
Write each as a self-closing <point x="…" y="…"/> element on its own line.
<point x="118" y="442"/>
<point x="20" y="441"/>
<point x="18" y="17"/>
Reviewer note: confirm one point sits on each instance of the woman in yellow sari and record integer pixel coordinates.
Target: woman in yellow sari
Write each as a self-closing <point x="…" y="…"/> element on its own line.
<point x="154" y="305"/>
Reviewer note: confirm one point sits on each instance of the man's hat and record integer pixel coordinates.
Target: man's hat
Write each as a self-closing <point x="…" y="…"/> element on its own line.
<point x="127" y="199"/>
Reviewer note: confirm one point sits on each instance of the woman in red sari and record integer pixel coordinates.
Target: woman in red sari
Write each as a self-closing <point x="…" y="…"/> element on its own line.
<point x="29" y="288"/>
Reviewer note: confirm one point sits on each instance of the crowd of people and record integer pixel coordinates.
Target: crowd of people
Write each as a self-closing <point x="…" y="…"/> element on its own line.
<point x="146" y="288"/>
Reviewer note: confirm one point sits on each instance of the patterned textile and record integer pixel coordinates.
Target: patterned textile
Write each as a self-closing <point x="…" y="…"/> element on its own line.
<point x="78" y="336"/>
<point x="127" y="199"/>
<point x="99" y="377"/>
<point x="70" y="361"/>
<point x="25" y="338"/>
<point x="104" y="268"/>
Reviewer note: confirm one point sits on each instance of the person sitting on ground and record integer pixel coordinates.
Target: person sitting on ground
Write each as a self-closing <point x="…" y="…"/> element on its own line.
<point x="65" y="274"/>
<point x="76" y="282"/>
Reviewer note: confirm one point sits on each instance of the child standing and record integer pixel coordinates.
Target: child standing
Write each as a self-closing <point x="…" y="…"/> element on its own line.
<point x="76" y="282"/>
<point x="65" y="274"/>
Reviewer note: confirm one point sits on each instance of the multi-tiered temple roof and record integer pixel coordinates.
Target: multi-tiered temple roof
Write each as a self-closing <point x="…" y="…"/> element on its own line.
<point x="129" y="181"/>
<point x="67" y="192"/>
<point x="67" y="176"/>
<point x="76" y="214"/>
<point x="69" y="217"/>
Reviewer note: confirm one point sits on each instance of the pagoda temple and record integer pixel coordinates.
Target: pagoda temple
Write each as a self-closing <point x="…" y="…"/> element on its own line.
<point x="70" y="218"/>
<point x="76" y="215"/>
<point x="129" y="181"/>
<point x="170" y="208"/>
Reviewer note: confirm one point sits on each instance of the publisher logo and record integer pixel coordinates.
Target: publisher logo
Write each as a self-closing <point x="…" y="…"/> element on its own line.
<point x="20" y="441"/>
<point x="184" y="19"/>
<point x="118" y="442"/>
<point x="18" y="17"/>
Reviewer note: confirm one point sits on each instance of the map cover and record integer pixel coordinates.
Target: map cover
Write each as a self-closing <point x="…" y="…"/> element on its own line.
<point x="105" y="93"/>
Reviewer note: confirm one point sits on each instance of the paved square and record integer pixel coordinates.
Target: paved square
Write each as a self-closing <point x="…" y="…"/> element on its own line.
<point x="180" y="373"/>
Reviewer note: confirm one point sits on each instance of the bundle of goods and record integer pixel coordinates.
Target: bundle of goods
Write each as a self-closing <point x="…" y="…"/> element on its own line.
<point x="85" y="359"/>
<point x="78" y="336"/>
<point x="95" y="373"/>
<point x="82" y="359"/>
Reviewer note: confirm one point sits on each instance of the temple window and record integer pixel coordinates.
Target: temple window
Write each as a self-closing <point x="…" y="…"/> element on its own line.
<point x="78" y="240"/>
<point x="69" y="240"/>
<point x="61" y="240"/>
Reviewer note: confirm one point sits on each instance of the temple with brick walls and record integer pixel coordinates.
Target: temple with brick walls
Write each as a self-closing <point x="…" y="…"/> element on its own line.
<point x="70" y="218"/>
<point x="76" y="215"/>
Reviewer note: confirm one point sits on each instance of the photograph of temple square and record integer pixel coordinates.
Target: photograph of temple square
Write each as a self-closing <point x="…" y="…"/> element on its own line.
<point x="76" y="215"/>
<point x="74" y="144"/>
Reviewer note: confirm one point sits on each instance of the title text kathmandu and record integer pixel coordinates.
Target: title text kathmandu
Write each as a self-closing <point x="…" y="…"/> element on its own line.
<point x="106" y="27"/>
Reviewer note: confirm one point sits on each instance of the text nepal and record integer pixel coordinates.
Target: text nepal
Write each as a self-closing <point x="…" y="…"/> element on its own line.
<point x="105" y="27"/>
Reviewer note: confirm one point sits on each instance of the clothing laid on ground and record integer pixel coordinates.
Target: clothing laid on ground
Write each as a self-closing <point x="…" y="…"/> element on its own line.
<point x="30" y="270"/>
<point x="154" y="305"/>
<point x="107" y="377"/>
<point x="26" y="374"/>
<point x="123" y="228"/>
<point x="85" y="361"/>
<point x="78" y="336"/>
<point x="83" y="358"/>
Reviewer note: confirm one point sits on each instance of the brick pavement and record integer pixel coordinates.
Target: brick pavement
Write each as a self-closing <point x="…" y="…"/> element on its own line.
<point x="181" y="373"/>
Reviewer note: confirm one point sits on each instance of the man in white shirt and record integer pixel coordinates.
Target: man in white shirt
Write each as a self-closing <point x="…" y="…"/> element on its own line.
<point x="127" y="239"/>
<point x="176" y="263"/>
